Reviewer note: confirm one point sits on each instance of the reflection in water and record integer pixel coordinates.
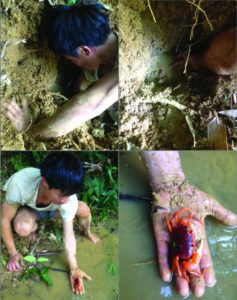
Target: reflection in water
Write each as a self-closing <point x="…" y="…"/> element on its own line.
<point x="166" y="291"/>
<point x="136" y="234"/>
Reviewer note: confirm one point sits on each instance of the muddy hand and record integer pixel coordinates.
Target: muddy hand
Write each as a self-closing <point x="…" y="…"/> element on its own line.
<point x="76" y="278"/>
<point x="201" y="205"/>
<point x="14" y="263"/>
<point x="18" y="114"/>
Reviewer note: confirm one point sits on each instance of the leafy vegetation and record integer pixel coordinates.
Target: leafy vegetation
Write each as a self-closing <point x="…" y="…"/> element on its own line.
<point x="71" y="2"/>
<point x="112" y="268"/>
<point x="36" y="269"/>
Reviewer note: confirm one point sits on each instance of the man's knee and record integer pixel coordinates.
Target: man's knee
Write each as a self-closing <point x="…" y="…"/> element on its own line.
<point x="25" y="222"/>
<point x="24" y="229"/>
<point x="83" y="210"/>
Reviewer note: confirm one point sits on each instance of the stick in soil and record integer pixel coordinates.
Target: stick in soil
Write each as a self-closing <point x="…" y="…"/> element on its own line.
<point x="153" y="16"/>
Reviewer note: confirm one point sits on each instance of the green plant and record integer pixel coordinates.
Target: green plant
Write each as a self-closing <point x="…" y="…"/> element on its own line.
<point x="36" y="269"/>
<point x="71" y="2"/>
<point x="58" y="234"/>
<point x="3" y="261"/>
<point x="100" y="192"/>
<point x="112" y="268"/>
<point x="18" y="161"/>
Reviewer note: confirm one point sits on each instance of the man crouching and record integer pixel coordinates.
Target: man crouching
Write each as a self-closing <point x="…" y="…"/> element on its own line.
<point x="33" y="194"/>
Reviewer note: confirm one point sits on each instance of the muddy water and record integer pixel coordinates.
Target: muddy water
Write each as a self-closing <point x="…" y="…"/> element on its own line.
<point x="214" y="173"/>
<point x="94" y="260"/>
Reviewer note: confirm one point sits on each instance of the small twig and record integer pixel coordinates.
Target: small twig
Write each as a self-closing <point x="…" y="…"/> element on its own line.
<point x="172" y="103"/>
<point x="196" y="21"/>
<point x="153" y="16"/>
<point x="187" y="59"/>
<point x="58" y="270"/>
<point x="37" y="242"/>
<point x="143" y="263"/>
<point x="18" y="5"/>
<point x="59" y="95"/>
<point x="52" y="3"/>
<point x="190" y="126"/>
<point x="12" y="43"/>
<point x="8" y="5"/>
<point x="202" y="10"/>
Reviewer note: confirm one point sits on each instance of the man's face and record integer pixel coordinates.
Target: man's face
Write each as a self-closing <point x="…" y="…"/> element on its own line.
<point x="56" y="196"/>
<point x="87" y="58"/>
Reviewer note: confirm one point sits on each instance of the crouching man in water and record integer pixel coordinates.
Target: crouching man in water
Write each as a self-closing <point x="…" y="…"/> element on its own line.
<point x="82" y="35"/>
<point x="33" y="194"/>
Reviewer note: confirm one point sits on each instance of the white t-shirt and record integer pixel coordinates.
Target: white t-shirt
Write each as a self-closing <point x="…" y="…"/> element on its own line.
<point x="22" y="189"/>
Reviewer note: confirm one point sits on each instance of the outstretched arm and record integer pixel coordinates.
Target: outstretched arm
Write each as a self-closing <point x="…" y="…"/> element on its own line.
<point x="76" y="275"/>
<point x="172" y="192"/>
<point x="79" y="109"/>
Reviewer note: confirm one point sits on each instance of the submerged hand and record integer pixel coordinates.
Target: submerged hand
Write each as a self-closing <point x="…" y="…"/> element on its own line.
<point x="201" y="205"/>
<point x="14" y="263"/>
<point x="76" y="278"/>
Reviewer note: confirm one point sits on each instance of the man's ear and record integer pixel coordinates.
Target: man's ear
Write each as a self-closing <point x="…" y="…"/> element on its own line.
<point x="44" y="182"/>
<point x="84" y="50"/>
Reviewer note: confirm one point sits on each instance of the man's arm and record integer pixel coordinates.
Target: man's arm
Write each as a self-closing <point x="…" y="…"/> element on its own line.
<point x="79" y="109"/>
<point x="8" y="213"/>
<point x="76" y="275"/>
<point x="70" y="244"/>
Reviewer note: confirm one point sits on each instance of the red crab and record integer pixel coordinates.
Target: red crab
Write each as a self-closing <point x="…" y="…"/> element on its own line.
<point x="186" y="254"/>
<point x="77" y="284"/>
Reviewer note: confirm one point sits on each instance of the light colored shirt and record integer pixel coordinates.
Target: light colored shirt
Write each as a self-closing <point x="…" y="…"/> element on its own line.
<point x="22" y="189"/>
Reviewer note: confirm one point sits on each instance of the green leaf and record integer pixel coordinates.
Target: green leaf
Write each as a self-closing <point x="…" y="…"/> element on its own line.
<point x="25" y="275"/>
<point x="71" y="2"/>
<point x="30" y="258"/>
<point x="3" y="261"/>
<point x="42" y="259"/>
<point x="34" y="270"/>
<point x="44" y="271"/>
<point x="58" y="235"/>
<point x="47" y="279"/>
<point x="112" y="269"/>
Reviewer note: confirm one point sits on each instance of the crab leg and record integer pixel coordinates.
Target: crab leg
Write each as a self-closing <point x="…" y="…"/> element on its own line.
<point x="168" y="223"/>
<point x="192" y="264"/>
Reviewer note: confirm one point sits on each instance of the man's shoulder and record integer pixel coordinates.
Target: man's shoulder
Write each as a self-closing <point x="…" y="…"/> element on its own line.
<point x="24" y="175"/>
<point x="28" y="170"/>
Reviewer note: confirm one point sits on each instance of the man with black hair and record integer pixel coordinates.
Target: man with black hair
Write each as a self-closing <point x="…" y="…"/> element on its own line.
<point x="81" y="34"/>
<point x="33" y="194"/>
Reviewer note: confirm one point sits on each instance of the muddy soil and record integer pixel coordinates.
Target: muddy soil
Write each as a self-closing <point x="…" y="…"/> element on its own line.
<point x="147" y="82"/>
<point x="93" y="259"/>
<point x="30" y="71"/>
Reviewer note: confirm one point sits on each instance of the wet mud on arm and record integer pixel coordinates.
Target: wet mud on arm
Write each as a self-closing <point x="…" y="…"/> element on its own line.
<point x="79" y="109"/>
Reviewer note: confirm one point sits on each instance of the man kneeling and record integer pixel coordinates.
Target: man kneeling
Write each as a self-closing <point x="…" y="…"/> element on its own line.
<point x="33" y="194"/>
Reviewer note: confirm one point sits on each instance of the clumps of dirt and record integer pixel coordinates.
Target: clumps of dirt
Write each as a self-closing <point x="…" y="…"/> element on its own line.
<point x="29" y="70"/>
<point x="162" y="108"/>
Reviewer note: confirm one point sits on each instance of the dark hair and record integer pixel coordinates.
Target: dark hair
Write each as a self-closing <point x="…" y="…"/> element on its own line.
<point x="69" y="27"/>
<point x="63" y="171"/>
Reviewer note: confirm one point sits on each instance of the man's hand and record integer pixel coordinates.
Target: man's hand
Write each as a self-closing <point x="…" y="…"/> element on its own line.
<point x="19" y="115"/>
<point x="201" y="205"/>
<point x="76" y="278"/>
<point x="14" y="262"/>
